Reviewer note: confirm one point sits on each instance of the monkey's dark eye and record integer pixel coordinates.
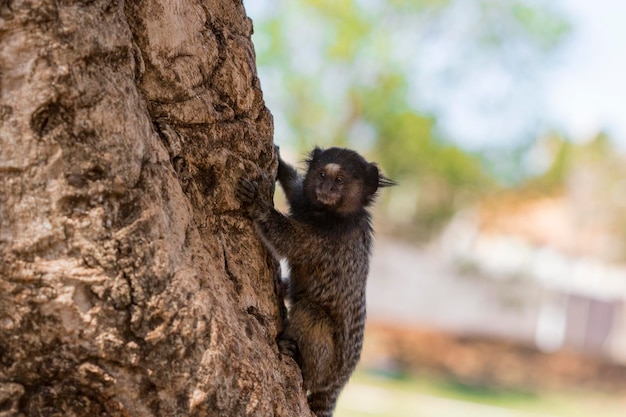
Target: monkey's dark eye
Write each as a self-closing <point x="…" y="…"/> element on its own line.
<point x="339" y="180"/>
<point x="322" y="174"/>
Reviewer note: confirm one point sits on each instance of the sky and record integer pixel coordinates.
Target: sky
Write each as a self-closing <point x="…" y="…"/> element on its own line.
<point x="582" y="92"/>
<point x="587" y="92"/>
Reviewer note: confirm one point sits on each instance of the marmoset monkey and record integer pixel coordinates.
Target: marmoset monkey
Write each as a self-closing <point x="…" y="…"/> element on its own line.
<point x="327" y="241"/>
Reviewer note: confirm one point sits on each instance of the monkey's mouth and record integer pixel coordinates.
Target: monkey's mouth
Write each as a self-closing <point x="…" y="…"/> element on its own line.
<point x="328" y="199"/>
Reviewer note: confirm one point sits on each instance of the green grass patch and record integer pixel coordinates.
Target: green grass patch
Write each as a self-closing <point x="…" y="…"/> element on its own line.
<point x="371" y="394"/>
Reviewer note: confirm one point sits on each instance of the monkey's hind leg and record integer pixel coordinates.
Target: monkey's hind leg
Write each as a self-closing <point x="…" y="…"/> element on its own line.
<point x="313" y="336"/>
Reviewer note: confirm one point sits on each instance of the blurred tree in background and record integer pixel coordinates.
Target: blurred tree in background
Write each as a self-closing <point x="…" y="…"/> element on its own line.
<point x="589" y="176"/>
<point x="354" y="73"/>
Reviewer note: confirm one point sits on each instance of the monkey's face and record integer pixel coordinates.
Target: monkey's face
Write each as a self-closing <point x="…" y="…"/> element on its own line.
<point x="341" y="180"/>
<point x="328" y="182"/>
<point x="332" y="187"/>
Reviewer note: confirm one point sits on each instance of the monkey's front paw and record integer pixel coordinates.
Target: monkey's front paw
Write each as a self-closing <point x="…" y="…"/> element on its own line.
<point x="247" y="191"/>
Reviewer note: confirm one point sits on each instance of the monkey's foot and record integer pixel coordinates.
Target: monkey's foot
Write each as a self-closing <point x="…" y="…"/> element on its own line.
<point x="288" y="347"/>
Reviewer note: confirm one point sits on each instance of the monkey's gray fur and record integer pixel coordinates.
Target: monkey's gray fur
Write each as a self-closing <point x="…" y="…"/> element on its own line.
<point x="327" y="242"/>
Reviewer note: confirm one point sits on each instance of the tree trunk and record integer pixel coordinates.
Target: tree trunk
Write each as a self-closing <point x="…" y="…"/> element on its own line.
<point x="131" y="282"/>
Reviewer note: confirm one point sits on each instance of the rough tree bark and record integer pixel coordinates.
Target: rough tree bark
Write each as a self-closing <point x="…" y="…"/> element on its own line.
<point x="131" y="283"/>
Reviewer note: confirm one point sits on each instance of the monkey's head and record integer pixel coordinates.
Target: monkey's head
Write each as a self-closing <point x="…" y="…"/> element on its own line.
<point x="342" y="181"/>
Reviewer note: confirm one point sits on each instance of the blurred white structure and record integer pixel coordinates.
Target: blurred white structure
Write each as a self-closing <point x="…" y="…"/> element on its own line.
<point x="541" y="243"/>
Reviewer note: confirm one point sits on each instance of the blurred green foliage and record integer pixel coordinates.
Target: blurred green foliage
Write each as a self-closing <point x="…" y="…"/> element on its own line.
<point x="341" y="72"/>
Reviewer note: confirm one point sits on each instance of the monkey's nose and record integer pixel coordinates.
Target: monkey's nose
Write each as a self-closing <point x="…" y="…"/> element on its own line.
<point x="327" y="198"/>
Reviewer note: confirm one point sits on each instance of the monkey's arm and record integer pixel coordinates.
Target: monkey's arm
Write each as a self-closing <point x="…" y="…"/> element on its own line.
<point x="288" y="178"/>
<point x="277" y="230"/>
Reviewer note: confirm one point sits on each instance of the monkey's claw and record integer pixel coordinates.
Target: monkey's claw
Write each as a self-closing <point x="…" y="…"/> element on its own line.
<point x="247" y="190"/>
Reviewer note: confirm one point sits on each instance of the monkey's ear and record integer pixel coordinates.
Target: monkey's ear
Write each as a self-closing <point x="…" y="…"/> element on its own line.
<point x="375" y="179"/>
<point x="314" y="154"/>
<point x="372" y="175"/>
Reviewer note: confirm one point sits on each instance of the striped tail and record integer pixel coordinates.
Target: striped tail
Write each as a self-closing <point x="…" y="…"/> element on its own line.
<point x="322" y="403"/>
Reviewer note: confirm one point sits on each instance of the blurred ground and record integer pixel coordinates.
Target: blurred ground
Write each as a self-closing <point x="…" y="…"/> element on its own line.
<point x="483" y="363"/>
<point x="361" y="399"/>
<point x="442" y="340"/>
<point x="370" y="395"/>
